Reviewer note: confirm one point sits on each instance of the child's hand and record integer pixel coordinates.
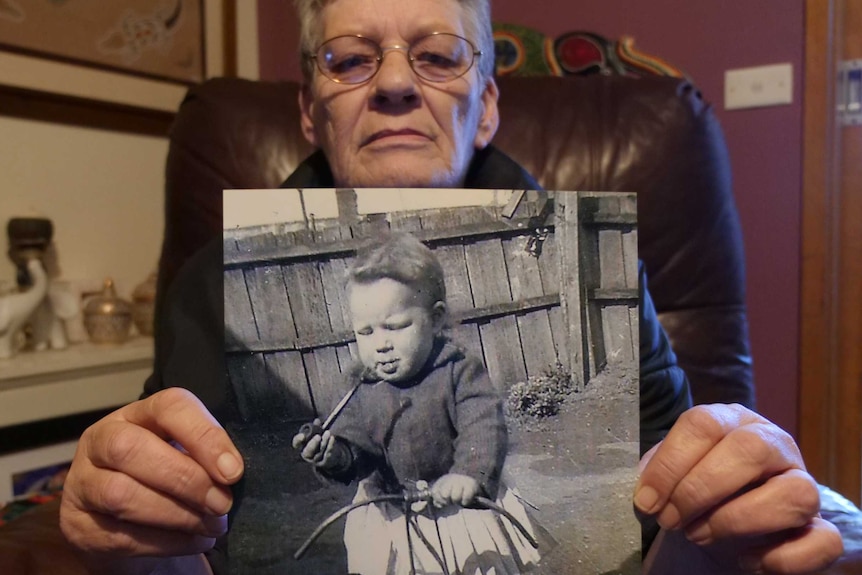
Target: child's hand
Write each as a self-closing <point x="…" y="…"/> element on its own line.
<point x="306" y="433"/>
<point x="321" y="450"/>
<point x="454" y="488"/>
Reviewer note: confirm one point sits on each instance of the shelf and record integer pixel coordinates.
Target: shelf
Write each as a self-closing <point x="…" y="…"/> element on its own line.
<point x="35" y="386"/>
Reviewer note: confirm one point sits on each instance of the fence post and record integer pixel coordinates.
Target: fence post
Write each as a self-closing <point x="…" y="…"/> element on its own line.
<point x="567" y="231"/>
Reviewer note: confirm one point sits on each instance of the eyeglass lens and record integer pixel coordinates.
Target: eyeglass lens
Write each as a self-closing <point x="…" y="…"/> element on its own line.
<point x="354" y="59"/>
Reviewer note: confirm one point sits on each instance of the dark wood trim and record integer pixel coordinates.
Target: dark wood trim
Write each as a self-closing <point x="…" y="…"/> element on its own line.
<point x="848" y="394"/>
<point x="813" y="425"/>
<point x="229" y="34"/>
<point x="70" y="111"/>
<point x="830" y="402"/>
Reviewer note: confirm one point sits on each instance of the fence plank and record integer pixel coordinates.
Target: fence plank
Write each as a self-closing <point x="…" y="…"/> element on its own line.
<point x="617" y="334"/>
<point x="371" y="227"/>
<point x="459" y="296"/>
<point x="611" y="266"/>
<point x="549" y="270"/>
<point x="486" y="267"/>
<point x="255" y="396"/>
<point x="535" y="327"/>
<point x="325" y="379"/>
<point x="451" y="257"/>
<point x="286" y="369"/>
<point x="568" y="244"/>
<point x="405" y="222"/>
<point x="239" y="325"/>
<point x="630" y="257"/>
<point x="467" y="336"/>
<point x="333" y="273"/>
<point x="347" y="356"/>
<point x="306" y="291"/>
<point x="267" y="293"/>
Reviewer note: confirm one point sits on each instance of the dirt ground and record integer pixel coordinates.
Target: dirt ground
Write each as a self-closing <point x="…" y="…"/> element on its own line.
<point x="576" y="470"/>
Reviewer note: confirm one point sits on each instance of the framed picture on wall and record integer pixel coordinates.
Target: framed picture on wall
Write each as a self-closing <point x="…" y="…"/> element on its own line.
<point x="162" y="39"/>
<point x="140" y="53"/>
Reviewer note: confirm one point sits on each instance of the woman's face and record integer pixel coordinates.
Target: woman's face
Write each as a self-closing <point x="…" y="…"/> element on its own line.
<point x="394" y="326"/>
<point x="396" y="129"/>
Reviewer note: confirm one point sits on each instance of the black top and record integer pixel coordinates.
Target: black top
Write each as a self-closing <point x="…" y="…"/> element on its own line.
<point x="190" y="353"/>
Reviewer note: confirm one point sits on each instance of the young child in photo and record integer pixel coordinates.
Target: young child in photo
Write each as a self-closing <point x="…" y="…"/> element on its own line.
<point x="425" y="416"/>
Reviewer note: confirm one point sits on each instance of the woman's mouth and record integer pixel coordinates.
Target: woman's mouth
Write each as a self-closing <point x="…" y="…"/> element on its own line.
<point x="396" y="137"/>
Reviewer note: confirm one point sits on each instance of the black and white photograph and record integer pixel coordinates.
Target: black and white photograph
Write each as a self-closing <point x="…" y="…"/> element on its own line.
<point x="433" y="382"/>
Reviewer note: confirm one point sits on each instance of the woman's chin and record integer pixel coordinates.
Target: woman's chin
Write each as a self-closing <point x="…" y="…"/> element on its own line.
<point x="402" y="174"/>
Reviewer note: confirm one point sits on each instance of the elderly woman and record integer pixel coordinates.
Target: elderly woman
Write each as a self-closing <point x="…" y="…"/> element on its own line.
<point x="400" y="93"/>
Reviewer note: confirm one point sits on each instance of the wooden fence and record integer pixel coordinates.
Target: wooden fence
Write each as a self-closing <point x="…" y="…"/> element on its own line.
<point x="288" y="330"/>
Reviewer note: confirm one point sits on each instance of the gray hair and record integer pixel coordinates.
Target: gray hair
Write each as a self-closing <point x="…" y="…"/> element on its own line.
<point x="477" y="27"/>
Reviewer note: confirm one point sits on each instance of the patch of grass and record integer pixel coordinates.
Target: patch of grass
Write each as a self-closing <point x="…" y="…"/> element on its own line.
<point x="541" y="395"/>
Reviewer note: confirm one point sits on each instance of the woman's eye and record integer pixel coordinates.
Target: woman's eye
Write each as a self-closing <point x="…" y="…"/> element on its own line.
<point x="435" y="59"/>
<point x="394" y="326"/>
<point x="349" y="63"/>
<point x="365" y="331"/>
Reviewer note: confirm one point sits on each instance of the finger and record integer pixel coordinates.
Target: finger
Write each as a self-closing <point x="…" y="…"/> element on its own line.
<point x="440" y="493"/>
<point x="695" y="433"/>
<point x="114" y="494"/>
<point x="311" y="449"/>
<point x="175" y="413"/>
<point x="93" y="532"/>
<point x="462" y="495"/>
<point x="811" y="549"/>
<point x="298" y="440"/>
<point x="469" y="495"/>
<point x="138" y="453"/>
<point x="461" y="491"/>
<point x="745" y="457"/>
<point x="789" y="500"/>
<point x="329" y="443"/>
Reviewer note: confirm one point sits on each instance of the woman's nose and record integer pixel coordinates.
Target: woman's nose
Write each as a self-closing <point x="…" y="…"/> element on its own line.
<point x="395" y="81"/>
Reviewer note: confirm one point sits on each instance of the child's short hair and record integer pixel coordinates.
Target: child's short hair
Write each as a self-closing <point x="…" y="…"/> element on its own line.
<point x="403" y="258"/>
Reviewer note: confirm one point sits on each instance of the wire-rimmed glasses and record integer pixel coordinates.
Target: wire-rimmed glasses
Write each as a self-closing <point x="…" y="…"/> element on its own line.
<point x="437" y="57"/>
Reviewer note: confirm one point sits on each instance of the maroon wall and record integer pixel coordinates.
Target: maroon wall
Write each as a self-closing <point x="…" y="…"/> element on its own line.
<point x="704" y="38"/>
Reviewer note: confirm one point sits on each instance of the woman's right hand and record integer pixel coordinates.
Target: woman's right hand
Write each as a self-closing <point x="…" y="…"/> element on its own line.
<point x="131" y="492"/>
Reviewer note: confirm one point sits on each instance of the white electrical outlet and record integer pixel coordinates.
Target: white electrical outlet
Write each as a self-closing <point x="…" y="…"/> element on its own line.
<point x="758" y="86"/>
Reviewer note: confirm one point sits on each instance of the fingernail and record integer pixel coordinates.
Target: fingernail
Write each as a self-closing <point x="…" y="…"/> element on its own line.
<point x="218" y="501"/>
<point x="646" y="500"/>
<point x="750" y="563"/>
<point x="699" y="534"/>
<point x="228" y="465"/>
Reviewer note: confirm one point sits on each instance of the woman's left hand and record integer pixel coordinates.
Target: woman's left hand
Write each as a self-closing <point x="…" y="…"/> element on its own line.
<point x="727" y="483"/>
<point x="454" y="488"/>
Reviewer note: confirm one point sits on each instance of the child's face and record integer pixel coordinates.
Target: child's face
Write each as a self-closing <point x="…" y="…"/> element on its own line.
<point x="394" y="327"/>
